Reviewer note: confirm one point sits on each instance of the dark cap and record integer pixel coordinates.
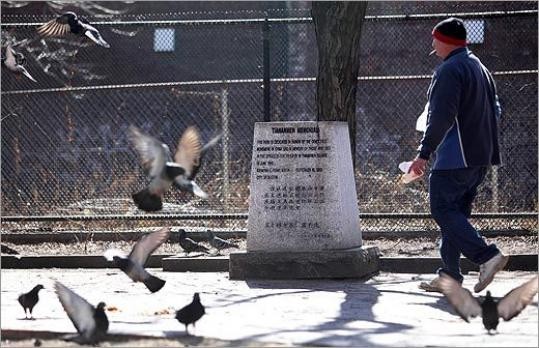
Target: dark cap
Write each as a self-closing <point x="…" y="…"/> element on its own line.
<point x="450" y="31"/>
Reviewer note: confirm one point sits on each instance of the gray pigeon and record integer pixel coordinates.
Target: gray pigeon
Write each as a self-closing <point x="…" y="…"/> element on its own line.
<point x="69" y="22"/>
<point x="14" y="61"/>
<point x="29" y="300"/>
<point x="91" y="322"/>
<point x="191" y="160"/>
<point x="133" y="265"/>
<point x="190" y="245"/>
<point x="219" y="243"/>
<point x="490" y="310"/>
<point x="191" y="313"/>
<point x="158" y="165"/>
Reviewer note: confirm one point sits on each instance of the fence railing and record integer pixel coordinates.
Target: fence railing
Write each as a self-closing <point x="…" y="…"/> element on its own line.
<point x="64" y="145"/>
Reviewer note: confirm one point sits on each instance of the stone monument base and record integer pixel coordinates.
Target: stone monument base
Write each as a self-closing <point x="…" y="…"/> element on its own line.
<point x="350" y="263"/>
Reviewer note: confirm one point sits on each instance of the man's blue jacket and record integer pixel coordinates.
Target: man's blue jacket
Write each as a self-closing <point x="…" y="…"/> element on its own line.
<point x="462" y="122"/>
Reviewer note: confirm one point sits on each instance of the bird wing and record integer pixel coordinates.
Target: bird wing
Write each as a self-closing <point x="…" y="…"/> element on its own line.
<point x="56" y="27"/>
<point x="79" y="311"/>
<point x="188" y="152"/>
<point x="152" y="152"/>
<point x="517" y="299"/>
<point x="10" y="61"/>
<point x="205" y="149"/>
<point x="460" y="298"/>
<point x="147" y="245"/>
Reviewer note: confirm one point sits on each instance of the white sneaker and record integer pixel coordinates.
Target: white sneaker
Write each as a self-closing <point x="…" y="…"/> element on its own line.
<point x="488" y="269"/>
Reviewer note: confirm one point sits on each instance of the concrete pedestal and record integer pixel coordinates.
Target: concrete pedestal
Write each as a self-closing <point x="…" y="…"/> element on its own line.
<point x="337" y="264"/>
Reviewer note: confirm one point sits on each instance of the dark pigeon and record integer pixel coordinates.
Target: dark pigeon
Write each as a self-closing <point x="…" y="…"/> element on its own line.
<point x="14" y="62"/>
<point x="219" y="243"/>
<point x="69" y="22"/>
<point x="489" y="309"/>
<point x="190" y="245"/>
<point x="191" y="313"/>
<point x="8" y="250"/>
<point x="91" y="322"/>
<point x="29" y="300"/>
<point x="133" y="265"/>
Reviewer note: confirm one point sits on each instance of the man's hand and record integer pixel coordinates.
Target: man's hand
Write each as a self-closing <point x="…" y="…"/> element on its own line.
<point x="418" y="166"/>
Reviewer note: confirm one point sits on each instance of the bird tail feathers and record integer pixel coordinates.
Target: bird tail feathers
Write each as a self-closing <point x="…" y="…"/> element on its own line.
<point x="154" y="284"/>
<point x="147" y="201"/>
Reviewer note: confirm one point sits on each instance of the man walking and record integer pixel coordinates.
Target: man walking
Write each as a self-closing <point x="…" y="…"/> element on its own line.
<point x="462" y="133"/>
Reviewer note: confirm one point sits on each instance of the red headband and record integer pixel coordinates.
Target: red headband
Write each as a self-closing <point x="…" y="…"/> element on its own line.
<point x="448" y="39"/>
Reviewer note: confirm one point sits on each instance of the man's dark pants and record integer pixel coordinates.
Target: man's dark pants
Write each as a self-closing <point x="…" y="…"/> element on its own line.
<point x="451" y="194"/>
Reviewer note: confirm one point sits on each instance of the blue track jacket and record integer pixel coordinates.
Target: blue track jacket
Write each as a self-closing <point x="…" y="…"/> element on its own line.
<point x="462" y="122"/>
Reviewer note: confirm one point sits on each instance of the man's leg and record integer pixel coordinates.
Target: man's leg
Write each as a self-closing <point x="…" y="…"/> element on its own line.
<point x="448" y="189"/>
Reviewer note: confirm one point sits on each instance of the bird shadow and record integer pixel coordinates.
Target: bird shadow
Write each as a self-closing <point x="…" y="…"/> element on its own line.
<point x="184" y="337"/>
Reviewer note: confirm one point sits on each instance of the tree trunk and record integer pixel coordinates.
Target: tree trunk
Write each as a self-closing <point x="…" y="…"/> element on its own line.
<point x="337" y="26"/>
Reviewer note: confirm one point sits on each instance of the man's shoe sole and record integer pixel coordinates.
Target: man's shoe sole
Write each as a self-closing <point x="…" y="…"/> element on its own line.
<point x="501" y="266"/>
<point x="429" y="288"/>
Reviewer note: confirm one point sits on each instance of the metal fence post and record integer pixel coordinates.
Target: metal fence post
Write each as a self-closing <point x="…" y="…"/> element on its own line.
<point x="226" y="137"/>
<point x="266" y="67"/>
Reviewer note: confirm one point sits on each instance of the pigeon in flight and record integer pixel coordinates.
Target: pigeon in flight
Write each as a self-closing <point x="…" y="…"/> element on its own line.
<point x="490" y="310"/>
<point x="70" y="22"/>
<point x="191" y="160"/>
<point x="191" y="313"/>
<point x="91" y="322"/>
<point x="133" y="265"/>
<point x="158" y="165"/>
<point x="14" y="62"/>
<point x="219" y="243"/>
<point x="29" y="300"/>
<point x="190" y="245"/>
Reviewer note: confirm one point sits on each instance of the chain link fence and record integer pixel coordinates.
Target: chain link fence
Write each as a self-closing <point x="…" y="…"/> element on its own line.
<point x="64" y="146"/>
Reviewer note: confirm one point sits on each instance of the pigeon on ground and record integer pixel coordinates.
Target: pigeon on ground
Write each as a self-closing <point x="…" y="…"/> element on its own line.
<point x="133" y="265"/>
<point x="70" y="22"/>
<point x="158" y="165"/>
<point x="29" y="300"/>
<point x="91" y="322"/>
<point x="219" y="243"/>
<point x="190" y="245"/>
<point x="490" y="310"/>
<point x="191" y="313"/>
<point x="8" y="250"/>
<point x="14" y="62"/>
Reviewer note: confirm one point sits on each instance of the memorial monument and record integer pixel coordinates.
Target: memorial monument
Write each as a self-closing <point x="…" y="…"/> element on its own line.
<point x="303" y="212"/>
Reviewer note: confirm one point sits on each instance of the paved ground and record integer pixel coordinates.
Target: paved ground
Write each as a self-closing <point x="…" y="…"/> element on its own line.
<point x="387" y="310"/>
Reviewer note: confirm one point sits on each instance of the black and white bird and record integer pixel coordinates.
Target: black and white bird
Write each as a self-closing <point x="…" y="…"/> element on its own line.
<point x="191" y="313"/>
<point x="219" y="243"/>
<point x="69" y="22"/>
<point x="29" y="300"/>
<point x="162" y="171"/>
<point x="133" y="264"/>
<point x="488" y="308"/>
<point x="14" y="62"/>
<point x="190" y="245"/>
<point x="91" y="322"/>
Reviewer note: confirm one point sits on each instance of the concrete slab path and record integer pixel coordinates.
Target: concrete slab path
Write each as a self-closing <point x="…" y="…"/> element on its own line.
<point x="387" y="310"/>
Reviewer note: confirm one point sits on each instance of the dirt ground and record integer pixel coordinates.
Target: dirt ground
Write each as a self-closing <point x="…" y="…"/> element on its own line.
<point x="388" y="247"/>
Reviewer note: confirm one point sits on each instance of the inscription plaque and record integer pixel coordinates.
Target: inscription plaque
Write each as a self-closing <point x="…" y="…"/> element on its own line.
<point x="303" y="193"/>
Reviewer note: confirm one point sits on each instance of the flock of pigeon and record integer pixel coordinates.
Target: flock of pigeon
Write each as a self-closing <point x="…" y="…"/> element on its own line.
<point x="63" y="25"/>
<point x="92" y="323"/>
<point x="164" y="172"/>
